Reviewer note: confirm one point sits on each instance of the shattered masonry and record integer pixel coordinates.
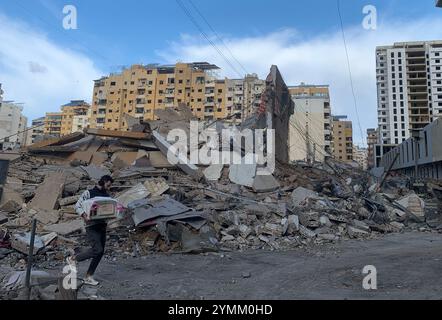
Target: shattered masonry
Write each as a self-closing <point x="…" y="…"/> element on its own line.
<point x="193" y="209"/>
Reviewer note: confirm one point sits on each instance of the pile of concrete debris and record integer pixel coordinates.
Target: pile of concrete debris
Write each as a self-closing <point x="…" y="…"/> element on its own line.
<point x="190" y="209"/>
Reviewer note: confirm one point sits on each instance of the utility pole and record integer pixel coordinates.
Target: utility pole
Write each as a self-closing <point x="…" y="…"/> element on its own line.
<point x="307" y="141"/>
<point x="314" y="153"/>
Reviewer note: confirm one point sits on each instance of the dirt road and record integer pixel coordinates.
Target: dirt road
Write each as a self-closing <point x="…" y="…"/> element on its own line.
<point x="408" y="265"/>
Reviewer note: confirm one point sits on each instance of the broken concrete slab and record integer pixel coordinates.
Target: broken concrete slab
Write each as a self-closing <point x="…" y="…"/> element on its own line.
<point x="47" y="194"/>
<point x="213" y="172"/>
<point x="98" y="158"/>
<point x="21" y="242"/>
<point x="11" y="200"/>
<point x="306" y="232"/>
<point x="136" y="193"/>
<point x="355" y="232"/>
<point x="156" y="187"/>
<point x="96" y="173"/>
<point x="10" y="206"/>
<point x="414" y="204"/>
<point x="292" y="224"/>
<point x="266" y="183"/>
<point x="122" y="160"/>
<point x="66" y="228"/>
<point x="199" y="242"/>
<point x="361" y="225"/>
<point x="300" y="196"/>
<point x="56" y="141"/>
<point x="69" y="200"/>
<point x="158" y="160"/>
<point x="3" y="218"/>
<point x="243" y="174"/>
<point x="119" y="134"/>
<point x="47" y="217"/>
<point x="309" y="219"/>
<point x="180" y="159"/>
<point x="48" y="238"/>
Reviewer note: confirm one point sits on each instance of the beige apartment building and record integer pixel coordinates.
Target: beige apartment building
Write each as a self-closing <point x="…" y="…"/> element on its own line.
<point x="52" y="124"/>
<point x="342" y="139"/>
<point x="141" y="89"/>
<point x="74" y="116"/>
<point x="310" y="130"/>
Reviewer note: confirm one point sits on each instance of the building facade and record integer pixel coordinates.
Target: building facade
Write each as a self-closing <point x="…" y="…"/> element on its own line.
<point x="12" y="126"/>
<point x="74" y="116"/>
<point x="36" y="131"/>
<point x="342" y="139"/>
<point x="252" y="90"/>
<point x="421" y="158"/>
<point x="141" y="89"/>
<point x="52" y="124"/>
<point x="372" y="140"/>
<point x="360" y="156"/>
<point x="81" y="122"/>
<point x="409" y="85"/>
<point x="310" y="130"/>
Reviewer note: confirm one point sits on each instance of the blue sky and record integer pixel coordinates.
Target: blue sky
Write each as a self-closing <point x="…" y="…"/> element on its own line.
<point x="259" y="33"/>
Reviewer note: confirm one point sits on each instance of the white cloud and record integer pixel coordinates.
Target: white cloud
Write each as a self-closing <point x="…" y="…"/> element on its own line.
<point x="36" y="71"/>
<point x="319" y="60"/>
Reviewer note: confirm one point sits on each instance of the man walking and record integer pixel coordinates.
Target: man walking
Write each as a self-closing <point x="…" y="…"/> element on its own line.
<point x="95" y="230"/>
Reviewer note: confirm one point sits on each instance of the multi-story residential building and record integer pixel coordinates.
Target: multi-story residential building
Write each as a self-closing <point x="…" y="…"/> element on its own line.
<point x="252" y="90"/>
<point x="12" y="126"/>
<point x="36" y="131"/>
<point x="409" y="81"/>
<point x="74" y="116"/>
<point x="81" y="122"/>
<point x="360" y="156"/>
<point x="141" y="89"/>
<point x="342" y="139"/>
<point x="52" y="125"/>
<point x="372" y="140"/>
<point x="310" y="130"/>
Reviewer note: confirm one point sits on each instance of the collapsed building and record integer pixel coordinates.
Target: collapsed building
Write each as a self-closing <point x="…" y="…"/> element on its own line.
<point x="174" y="205"/>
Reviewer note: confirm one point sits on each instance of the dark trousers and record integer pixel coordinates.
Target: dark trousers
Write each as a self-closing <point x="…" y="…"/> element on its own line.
<point x="96" y="235"/>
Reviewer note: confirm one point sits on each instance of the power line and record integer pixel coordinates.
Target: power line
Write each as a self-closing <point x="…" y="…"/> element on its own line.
<point x="349" y="70"/>
<point x="20" y="132"/>
<point x="216" y="34"/>
<point x="201" y="30"/>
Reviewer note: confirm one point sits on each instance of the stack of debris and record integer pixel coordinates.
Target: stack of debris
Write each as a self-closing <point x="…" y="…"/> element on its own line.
<point x="190" y="209"/>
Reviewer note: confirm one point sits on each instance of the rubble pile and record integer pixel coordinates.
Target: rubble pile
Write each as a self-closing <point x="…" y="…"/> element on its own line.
<point x="190" y="209"/>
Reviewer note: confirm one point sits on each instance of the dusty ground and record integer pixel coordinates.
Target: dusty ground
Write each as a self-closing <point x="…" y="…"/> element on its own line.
<point x="409" y="267"/>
